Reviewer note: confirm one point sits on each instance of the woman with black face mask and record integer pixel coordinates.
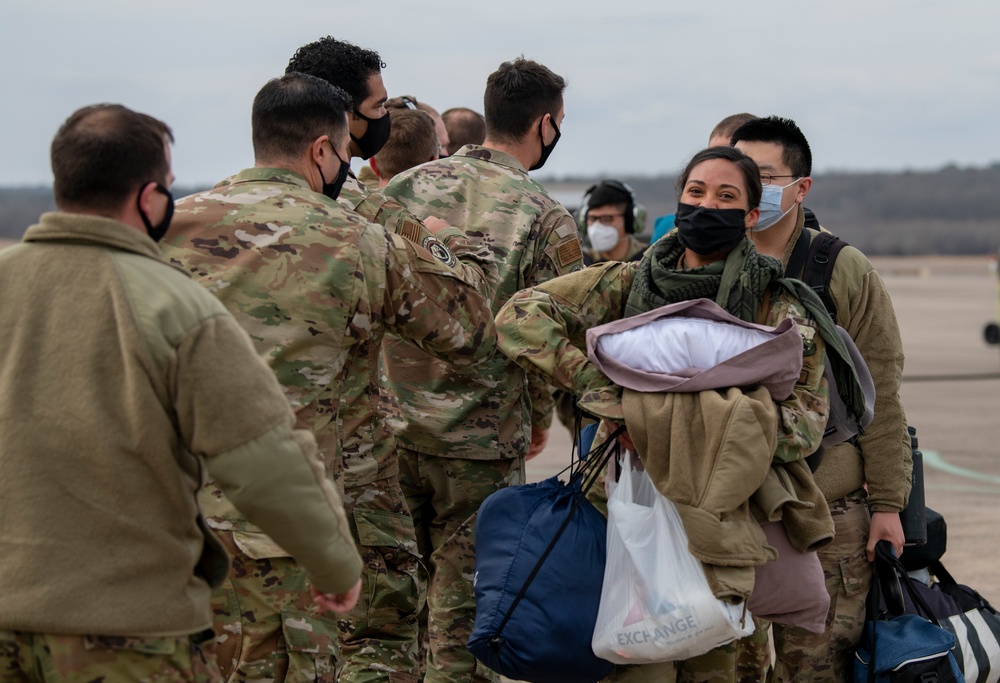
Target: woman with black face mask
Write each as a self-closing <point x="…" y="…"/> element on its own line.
<point x="708" y="256"/>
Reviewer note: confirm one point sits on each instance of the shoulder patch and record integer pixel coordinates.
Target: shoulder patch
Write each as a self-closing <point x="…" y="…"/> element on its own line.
<point x="410" y="230"/>
<point x="569" y="252"/>
<point x="439" y="251"/>
<point x="565" y="230"/>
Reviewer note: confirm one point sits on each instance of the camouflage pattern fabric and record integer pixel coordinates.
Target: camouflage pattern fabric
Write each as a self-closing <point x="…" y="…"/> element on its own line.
<point x="267" y="625"/>
<point x="487" y="414"/>
<point x="471" y="416"/>
<point x="536" y="324"/>
<point x="317" y="287"/>
<point x="473" y="262"/>
<point x="443" y="495"/>
<point x="810" y="657"/>
<point x="379" y="637"/>
<point x="753" y="654"/>
<point x="85" y="659"/>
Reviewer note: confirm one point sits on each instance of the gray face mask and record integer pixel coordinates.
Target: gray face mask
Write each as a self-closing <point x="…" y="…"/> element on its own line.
<point x="602" y="237"/>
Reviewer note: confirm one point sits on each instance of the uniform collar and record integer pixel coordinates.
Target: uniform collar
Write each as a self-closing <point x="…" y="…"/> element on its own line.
<point x="492" y="155"/>
<point x="272" y="175"/>
<point x="61" y="226"/>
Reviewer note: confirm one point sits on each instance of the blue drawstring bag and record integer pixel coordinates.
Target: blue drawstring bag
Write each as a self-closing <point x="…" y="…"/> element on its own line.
<point x="540" y="551"/>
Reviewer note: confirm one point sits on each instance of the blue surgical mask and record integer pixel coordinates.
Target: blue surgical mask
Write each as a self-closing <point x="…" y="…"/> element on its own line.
<point x="770" y="206"/>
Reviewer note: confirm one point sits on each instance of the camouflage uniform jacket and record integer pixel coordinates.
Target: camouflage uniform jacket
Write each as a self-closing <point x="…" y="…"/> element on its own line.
<point x="316" y="287"/>
<point x="487" y="413"/>
<point x="544" y="329"/>
<point x="473" y="262"/>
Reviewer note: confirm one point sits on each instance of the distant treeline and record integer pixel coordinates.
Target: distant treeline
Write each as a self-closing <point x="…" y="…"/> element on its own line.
<point x="950" y="211"/>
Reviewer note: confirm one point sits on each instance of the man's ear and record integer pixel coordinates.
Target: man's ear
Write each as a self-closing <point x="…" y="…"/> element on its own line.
<point x="804" y="186"/>
<point x="545" y="124"/>
<point x="318" y="149"/>
<point x="145" y="195"/>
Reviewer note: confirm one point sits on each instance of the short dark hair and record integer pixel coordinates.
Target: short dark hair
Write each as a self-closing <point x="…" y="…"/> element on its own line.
<point x="465" y="127"/>
<point x="751" y="174"/>
<point x="518" y="93"/>
<point x="795" y="150"/>
<point x="727" y="126"/>
<point x="290" y="112"/>
<point x="609" y="192"/>
<point x="103" y="153"/>
<point x="412" y="141"/>
<point x="339" y="63"/>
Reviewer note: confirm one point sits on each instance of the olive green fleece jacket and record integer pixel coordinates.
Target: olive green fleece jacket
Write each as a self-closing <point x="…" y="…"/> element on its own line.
<point x="884" y="461"/>
<point x="121" y="383"/>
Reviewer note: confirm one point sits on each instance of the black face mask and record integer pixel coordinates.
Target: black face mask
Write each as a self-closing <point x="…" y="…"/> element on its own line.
<point x="332" y="190"/>
<point x="375" y="137"/>
<point x="709" y="231"/>
<point x="156" y="232"/>
<point x="546" y="149"/>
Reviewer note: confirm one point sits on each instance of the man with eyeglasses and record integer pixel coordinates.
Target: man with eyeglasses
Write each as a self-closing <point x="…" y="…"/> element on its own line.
<point x="612" y="217"/>
<point x="866" y="481"/>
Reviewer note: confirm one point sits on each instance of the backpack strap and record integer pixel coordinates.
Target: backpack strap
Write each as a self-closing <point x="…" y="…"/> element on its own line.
<point x="797" y="261"/>
<point x="823" y="252"/>
<point x="812" y="260"/>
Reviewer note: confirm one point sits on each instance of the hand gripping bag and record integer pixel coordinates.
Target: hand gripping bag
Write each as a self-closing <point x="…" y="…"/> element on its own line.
<point x="656" y="605"/>
<point x="539" y="568"/>
<point x="897" y="647"/>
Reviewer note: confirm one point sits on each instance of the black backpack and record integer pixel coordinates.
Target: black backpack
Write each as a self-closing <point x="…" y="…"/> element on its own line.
<point x="812" y="261"/>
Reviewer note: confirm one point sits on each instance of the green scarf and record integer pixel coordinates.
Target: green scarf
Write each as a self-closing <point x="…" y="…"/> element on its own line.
<point x="738" y="285"/>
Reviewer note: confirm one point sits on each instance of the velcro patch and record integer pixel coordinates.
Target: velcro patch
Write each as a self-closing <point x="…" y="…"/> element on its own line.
<point x="410" y="231"/>
<point x="439" y="251"/>
<point x="569" y="252"/>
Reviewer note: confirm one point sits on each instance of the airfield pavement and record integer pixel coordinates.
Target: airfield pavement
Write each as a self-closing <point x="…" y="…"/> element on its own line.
<point x="951" y="394"/>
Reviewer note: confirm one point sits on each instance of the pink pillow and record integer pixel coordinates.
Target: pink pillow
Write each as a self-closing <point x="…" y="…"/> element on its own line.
<point x="792" y="589"/>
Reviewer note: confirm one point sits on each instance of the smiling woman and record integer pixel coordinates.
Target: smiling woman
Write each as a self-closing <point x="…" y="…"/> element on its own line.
<point x="709" y="256"/>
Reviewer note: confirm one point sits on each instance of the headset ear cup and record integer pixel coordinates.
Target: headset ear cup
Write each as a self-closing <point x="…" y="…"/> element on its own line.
<point x="633" y="223"/>
<point x="639" y="222"/>
<point x="581" y="213"/>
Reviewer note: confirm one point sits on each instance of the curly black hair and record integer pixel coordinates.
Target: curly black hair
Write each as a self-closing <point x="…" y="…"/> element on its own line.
<point x="339" y="63"/>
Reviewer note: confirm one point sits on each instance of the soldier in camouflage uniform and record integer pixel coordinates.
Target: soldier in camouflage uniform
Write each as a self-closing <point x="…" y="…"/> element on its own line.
<point x="543" y="329"/>
<point x="871" y="472"/>
<point x="464" y="434"/>
<point x="317" y="287"/>
<point x="124" y="383"/>
<point x="359" y="73"/>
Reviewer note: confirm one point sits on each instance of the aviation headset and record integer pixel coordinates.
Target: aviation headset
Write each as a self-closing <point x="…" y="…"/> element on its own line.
<point x="634" y="212"/>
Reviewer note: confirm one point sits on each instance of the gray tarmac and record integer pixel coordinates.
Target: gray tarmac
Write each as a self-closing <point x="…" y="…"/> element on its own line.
<point x="951" y="394"/>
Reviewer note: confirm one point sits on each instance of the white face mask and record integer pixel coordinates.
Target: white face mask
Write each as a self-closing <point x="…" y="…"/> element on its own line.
<point x="602" y="237"/>
<point x="770" y="206"/>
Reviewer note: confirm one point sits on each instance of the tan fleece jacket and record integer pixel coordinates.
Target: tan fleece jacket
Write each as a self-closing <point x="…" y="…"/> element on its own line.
<point x="120" y="378"/>
<point x="884" y="460"/>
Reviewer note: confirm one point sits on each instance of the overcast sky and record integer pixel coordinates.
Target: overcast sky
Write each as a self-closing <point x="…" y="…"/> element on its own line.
<point x="874" y="84"/>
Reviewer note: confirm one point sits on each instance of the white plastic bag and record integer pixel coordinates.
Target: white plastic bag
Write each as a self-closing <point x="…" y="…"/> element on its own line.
<point x="656" y="605"/>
